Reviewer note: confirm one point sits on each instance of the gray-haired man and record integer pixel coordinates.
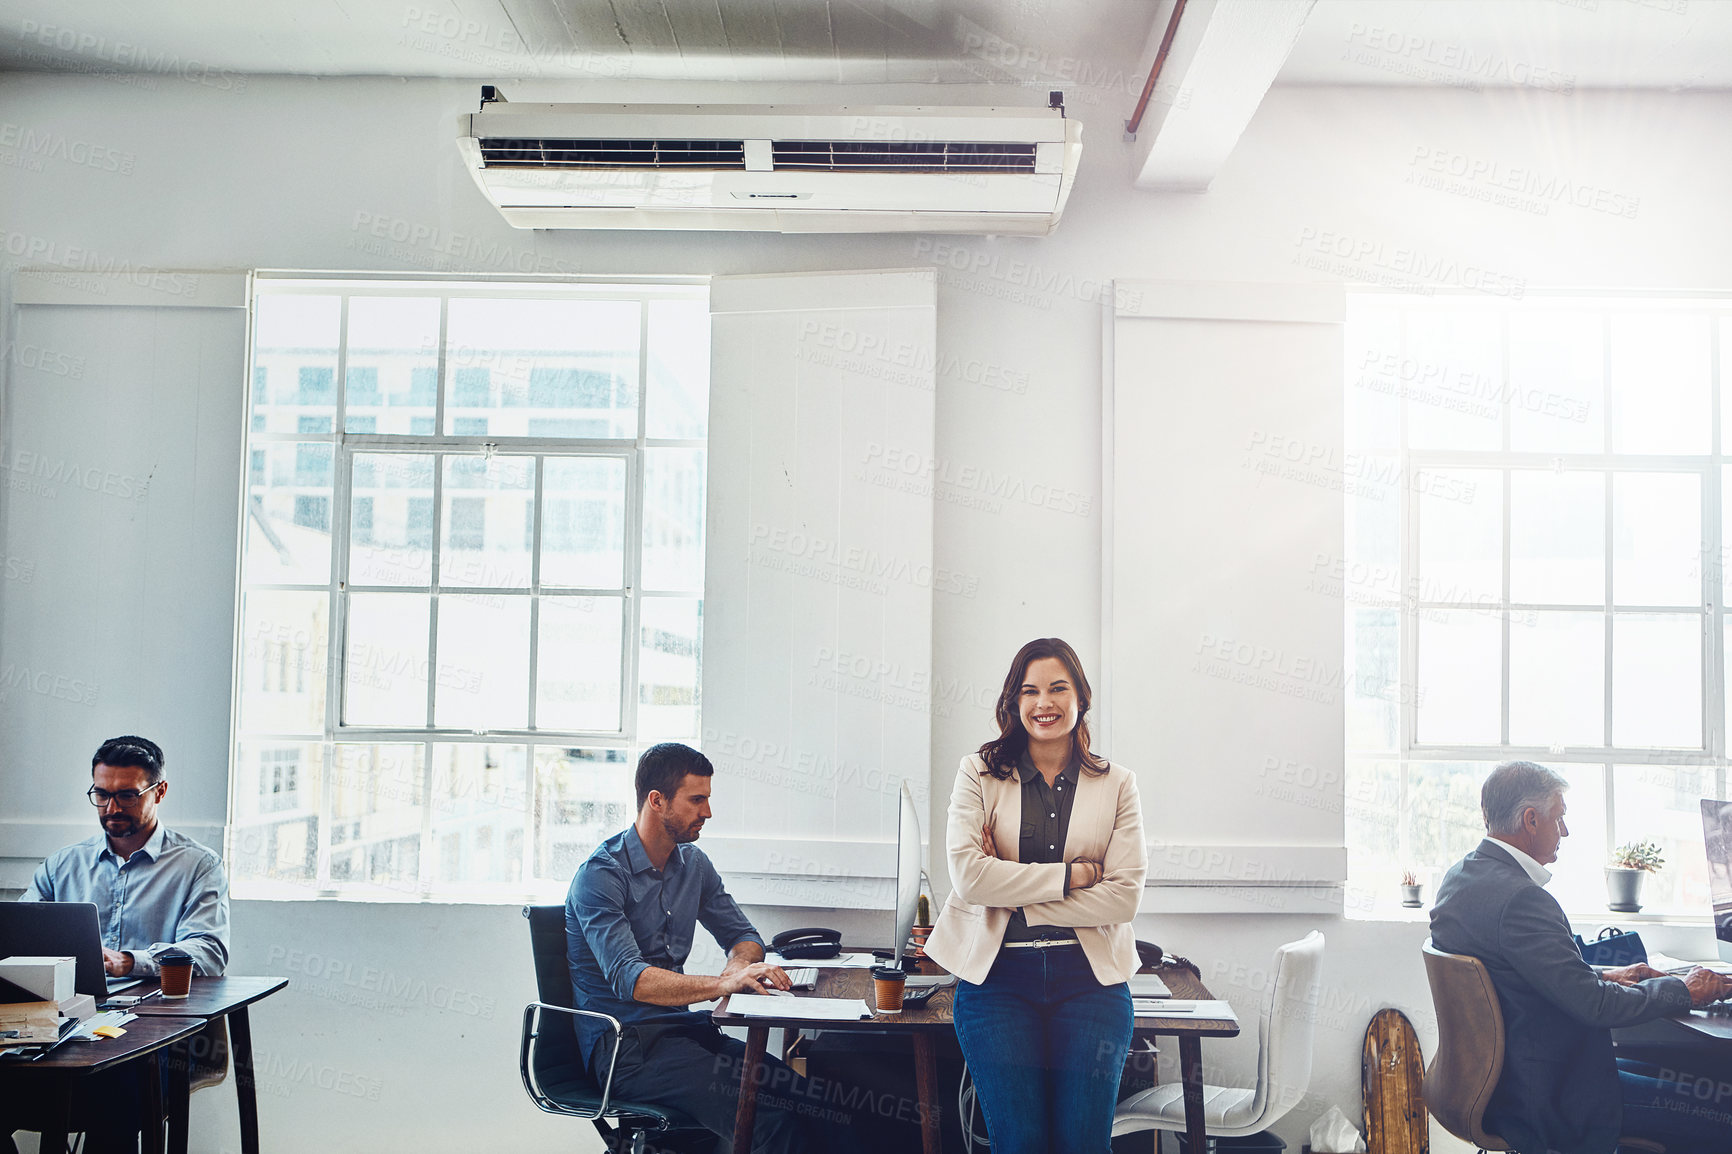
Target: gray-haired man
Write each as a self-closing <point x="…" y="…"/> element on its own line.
<point x="1561" y="1088"/>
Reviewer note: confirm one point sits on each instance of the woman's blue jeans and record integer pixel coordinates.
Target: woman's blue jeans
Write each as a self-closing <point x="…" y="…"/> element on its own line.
<point x="1045" y="1043"/>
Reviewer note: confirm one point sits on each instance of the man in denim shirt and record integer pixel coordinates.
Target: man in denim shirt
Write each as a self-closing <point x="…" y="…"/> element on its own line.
<point x="630" y="918"/>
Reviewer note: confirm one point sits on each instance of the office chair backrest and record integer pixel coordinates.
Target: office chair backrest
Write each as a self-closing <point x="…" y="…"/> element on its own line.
<point x="1469" y="1059"/>
<point x="557" y="1045"/>
<point x="1287" y="1026"/>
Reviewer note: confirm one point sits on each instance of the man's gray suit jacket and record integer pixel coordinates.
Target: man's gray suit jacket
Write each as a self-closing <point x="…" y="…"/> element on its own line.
<point x="1559" y="1088"/>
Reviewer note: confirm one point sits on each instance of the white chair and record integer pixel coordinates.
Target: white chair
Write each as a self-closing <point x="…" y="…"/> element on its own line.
<point x="1284" y="1036"/>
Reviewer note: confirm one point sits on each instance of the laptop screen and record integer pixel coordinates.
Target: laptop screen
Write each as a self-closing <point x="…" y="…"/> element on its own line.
<point x="1717" y="835"/>
<point x="57" y="930"/>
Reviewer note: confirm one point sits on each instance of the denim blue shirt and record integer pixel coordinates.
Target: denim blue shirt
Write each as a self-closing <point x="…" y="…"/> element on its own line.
<point x="171" y="891"/>
<point x="624" y="916"/>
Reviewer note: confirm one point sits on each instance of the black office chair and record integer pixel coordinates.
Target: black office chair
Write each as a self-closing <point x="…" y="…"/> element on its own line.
<point x="554" y="1073"/>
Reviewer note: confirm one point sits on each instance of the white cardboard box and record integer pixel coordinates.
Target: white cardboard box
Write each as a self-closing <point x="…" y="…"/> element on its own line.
<point x="48" y="978"/>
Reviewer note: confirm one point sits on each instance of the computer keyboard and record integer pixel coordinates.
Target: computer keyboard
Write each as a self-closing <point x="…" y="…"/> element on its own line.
<point x="804" y="978"/>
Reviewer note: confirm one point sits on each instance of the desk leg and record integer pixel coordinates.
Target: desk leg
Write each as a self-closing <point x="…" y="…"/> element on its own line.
<point x="926" y="1080"/>
<point x="1191" y="1078"/>
<point x="177" y="1091"/>
<point x="746" y="1115"/>
<point x="241" y="1047"/>
<point x="151" y="1123"/>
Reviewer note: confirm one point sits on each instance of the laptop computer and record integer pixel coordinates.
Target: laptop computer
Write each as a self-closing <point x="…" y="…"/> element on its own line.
<point x="65" y="930"/>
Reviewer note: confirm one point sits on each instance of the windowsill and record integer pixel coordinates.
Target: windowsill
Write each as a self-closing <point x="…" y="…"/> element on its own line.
<point x="257" y="892"/>
<point x="1645" y="918"/>
<point x="1394" y="915"/>
<point x="1581" y="921"/>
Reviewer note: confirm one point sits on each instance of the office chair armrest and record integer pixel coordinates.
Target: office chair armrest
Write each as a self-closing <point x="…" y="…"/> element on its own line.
<point x="532" y="1031"/>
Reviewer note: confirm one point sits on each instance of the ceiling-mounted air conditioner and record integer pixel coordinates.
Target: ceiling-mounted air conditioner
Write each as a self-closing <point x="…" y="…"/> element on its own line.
<point x="773" y="168"/>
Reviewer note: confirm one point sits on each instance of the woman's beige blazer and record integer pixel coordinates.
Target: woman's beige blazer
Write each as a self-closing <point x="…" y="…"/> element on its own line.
<point x="1106" y="824"/>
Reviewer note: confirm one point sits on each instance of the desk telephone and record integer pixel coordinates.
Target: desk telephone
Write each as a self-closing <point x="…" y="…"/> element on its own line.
<point x="808" y="943"/>
<point x="1152" y="957"/>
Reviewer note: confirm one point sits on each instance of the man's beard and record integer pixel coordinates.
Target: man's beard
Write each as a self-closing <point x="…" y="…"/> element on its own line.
<point x="682" y="834"/>
<point x="120" y="825"/>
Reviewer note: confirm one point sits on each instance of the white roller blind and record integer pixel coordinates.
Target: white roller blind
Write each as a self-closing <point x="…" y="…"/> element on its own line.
<point x="120" y="453"/>
<point x="1226" y="666"/>
<point x="819" y="577"/>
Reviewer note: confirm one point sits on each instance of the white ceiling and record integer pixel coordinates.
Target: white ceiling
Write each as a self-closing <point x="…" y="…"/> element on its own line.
<point x="1058" y="43"/>
<point x="1224" y="59"/>
<point x="819" y="41"/>
<point x="1559" y="45"/>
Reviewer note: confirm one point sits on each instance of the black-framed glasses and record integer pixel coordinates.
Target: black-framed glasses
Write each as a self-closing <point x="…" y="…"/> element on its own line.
<point x="126" y="797"/>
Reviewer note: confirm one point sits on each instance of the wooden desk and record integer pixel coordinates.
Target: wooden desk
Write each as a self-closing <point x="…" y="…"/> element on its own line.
<point x="934" y="1017"/>
<point x="209" y="998"/>
<point x="144" y="1036"/>
<point x="922" y="1022"/>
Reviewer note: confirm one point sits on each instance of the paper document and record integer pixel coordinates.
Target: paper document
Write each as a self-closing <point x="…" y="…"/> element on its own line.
<point x="1149" y="986"/>
<point x="86" y="1029"/>
<point x="1667" y="964"/>
<point x="808" y="1009"/>
<point x="1183" y="1008"/>
<point x="841" y="961"/>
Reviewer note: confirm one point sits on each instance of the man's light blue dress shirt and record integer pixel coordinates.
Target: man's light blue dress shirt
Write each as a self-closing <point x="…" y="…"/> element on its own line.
<point x="172" y="891"/>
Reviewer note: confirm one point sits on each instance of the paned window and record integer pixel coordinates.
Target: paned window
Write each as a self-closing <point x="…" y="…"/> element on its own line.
<point x="472" y="579"/>
<point x="1535" y="535"/>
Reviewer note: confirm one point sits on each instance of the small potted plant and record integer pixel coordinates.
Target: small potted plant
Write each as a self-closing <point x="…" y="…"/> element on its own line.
<point x="1630" y="863"/>
<point x="1410" y="891"/>
<point x="922" y="927"/>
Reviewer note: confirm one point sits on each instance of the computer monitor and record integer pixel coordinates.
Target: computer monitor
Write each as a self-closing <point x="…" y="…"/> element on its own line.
<point x="1717" y="835"/>
<point x="908" y="858"/>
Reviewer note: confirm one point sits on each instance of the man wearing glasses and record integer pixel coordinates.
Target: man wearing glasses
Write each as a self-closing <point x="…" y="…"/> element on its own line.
<point x="153" y="888"/>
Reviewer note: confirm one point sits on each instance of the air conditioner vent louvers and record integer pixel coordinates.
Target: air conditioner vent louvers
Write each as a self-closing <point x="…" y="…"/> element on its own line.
<point x="796" y="155"/>
<point x="901" y="156"/>
<point x="500" y="152"/>
<point x="788" y="168"/>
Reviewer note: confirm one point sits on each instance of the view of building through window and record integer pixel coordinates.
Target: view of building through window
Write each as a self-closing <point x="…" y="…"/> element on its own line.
<point x="1535" y="524"/>
<point x="472" y="578"/>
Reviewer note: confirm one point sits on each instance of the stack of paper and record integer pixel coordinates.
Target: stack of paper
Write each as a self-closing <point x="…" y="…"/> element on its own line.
<point x="1667" y="964"/>
<point x="841" y="961"/>
<point x="1149" y="986"/>
<point x="108" y="1019"/>
<point x="805" y="1009"/>
<point x="1182" y="1008"/>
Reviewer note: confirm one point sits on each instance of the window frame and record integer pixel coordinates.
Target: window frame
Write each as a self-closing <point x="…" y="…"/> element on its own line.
<point x="632" y="452"/>
<point x="1408" y="601"/>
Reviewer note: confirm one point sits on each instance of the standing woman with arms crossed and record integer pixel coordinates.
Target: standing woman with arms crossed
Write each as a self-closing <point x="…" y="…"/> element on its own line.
<point x="1047" y="859"/>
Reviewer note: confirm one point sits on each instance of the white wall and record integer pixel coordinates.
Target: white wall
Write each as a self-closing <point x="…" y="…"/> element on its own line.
<point x="322" y="174"/>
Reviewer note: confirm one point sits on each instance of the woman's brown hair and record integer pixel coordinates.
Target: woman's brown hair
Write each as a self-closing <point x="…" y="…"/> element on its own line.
<point x="1002" y="753"/>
